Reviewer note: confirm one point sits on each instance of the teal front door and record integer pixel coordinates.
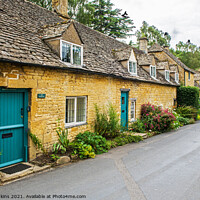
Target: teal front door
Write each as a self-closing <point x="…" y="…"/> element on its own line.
<point x="13" y="126"/>
<point x="124" y="109"/>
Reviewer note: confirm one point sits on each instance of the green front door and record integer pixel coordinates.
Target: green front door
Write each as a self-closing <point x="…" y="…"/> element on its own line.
<point x="124" y="109"/>
<point x="13" y="126"/>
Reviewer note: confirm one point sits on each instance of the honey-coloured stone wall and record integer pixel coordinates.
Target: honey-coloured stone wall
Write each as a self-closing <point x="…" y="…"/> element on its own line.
<point x="58" y="84"/>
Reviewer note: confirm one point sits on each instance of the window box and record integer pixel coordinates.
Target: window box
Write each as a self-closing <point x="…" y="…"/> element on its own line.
<point x="71" y="53"/>
<point x="75" y="111"/>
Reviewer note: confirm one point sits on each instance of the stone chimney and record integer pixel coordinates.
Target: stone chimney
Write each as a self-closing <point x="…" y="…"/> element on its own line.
<point x="60" y="7"/>
<point x="143" y="44"/>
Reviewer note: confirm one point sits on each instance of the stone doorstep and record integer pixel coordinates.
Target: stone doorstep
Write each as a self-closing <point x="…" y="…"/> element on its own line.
<point x="143" y="135"/>
<point x="33" y="169"/>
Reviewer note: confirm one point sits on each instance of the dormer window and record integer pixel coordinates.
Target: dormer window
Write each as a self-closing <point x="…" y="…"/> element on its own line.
<point x="153" y="71"/>
<point x="167" y="75"/>
<point x="177" y="77"/>
<point x="71" y="53"/>
<point x="132" y="67"/>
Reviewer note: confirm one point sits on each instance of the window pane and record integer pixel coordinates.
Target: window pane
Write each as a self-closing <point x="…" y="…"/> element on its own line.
<point x="80" y="113"/>
<point x="70" y="110"/>
<point x="153" y="71"/>
<point x="66" y="52"/>
<point x="133" y="110"/>
<point x="130" y="67"/>
<point x="134" y="68"/>
<point x="76" y="55"/>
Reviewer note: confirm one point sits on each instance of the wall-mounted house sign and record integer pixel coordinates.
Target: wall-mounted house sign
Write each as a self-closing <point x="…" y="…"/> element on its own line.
<point x="41" y="96"/>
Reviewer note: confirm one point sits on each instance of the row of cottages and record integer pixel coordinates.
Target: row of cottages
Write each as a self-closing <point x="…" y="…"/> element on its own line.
<point x="54" y="68"/>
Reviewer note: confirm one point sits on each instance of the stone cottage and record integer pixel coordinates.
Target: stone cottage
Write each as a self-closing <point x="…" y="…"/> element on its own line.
<point x="53" y="68"/>
<point x="176" y="68"/>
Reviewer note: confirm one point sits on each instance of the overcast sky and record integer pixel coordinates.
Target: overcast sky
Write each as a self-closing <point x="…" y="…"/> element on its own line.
<point x="180" y="18"/>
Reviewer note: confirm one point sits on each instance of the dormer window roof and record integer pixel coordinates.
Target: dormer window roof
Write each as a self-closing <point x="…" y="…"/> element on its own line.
<point x="71" y="53"/>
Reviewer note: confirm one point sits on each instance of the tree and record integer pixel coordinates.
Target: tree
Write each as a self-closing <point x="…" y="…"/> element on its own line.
<point x="81" y="10"/>
<point x="110" y="21"/>
<point x="153" y="35"/>
<point x="98" y="14"/>
<point x="43" y="3"/>
<point x="188" y="53"/>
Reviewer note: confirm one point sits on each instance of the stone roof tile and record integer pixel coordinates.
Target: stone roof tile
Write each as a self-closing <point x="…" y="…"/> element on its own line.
<point x="24" y="25"/>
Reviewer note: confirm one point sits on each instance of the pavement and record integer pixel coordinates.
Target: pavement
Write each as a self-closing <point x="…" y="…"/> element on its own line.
<point x="163" y="167"/>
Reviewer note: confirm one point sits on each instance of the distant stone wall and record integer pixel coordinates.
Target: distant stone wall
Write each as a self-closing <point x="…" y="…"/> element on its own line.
<point x="59" y="84"/>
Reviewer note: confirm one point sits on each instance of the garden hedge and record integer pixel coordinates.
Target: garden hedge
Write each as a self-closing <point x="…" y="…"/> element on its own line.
<point x="188" y="96"/>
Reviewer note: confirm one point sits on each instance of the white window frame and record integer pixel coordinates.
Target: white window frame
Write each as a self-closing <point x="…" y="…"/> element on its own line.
<point x="75" y="112"/>
<point x="71" y="56"/>
<point x="189" y="74"/>
<point x="135" y="67"/>
<point x="177" y="77"/>
<point x="166" y="71"/>
<point x="152" y="66"/>
<point x="133" y="101"/>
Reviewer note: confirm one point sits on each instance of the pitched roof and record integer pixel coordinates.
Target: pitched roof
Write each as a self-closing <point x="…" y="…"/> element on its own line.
<point x="157" y="48"/>
<point x="21" y="41"/>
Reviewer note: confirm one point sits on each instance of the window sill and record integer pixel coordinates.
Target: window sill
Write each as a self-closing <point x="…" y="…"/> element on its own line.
<point x="72" y="65"/>
<point x="71" y="125"/>
<point x="154" y="78"/>
<point x="133" y="74"/>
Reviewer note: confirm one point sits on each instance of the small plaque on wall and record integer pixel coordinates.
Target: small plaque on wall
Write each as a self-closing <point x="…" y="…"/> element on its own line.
<point x="41" y="96"/>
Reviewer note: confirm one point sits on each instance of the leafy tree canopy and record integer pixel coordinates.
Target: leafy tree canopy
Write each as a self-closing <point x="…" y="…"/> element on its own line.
<point x="188" y="53"/>
<point x="110" y="21"/>
<point x="81" y="10"/>
<point x="43" y="3"/>
<point x="98" y="14"/>
<point x="153" y="35"/>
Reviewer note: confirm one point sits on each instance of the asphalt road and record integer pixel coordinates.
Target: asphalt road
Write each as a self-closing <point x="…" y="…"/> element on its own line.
<point x="164" y="167"/>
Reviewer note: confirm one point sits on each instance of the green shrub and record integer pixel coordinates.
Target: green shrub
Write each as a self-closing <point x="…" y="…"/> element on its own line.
<point x="183" y="121"/>
<point x="107" y="123"/>
<point x="176" y="123"/>
<point x="97" y="142"/>
<point x="188" y="96"/>
<point x="63" y="142"/>
<point x="191" y="121"/>
<point x="111" y="144"/>
<point x="123" y="139"/>
<point x="187" y="111"/>
<point x="137" y="126"/>
<point x="82" y="150"/>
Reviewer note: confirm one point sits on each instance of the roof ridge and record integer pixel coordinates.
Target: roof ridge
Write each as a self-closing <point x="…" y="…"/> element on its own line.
<point x="102" y="34"/>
